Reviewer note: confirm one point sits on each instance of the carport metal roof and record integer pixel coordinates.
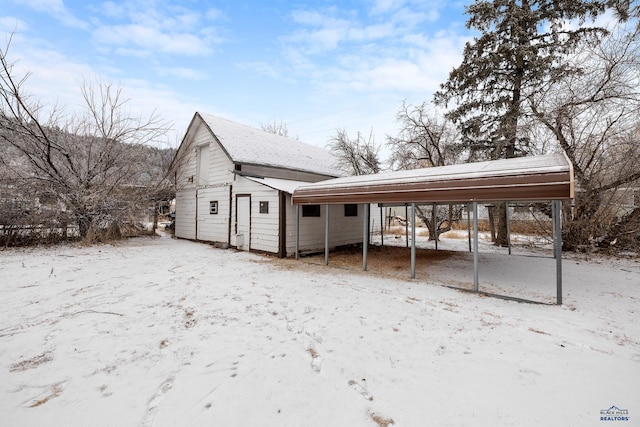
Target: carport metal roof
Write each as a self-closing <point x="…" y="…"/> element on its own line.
<point x="524" y="179"/>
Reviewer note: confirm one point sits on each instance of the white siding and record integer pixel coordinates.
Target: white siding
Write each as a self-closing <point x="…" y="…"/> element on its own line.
<point x="342" y="230"/>
<point x="215" y="167"/>
<point x="212" y="178"/>
<point x="220" y="166"/>
<point x="264" y="227"/>
<point x="213" y="227"/>
<point x="186" y="214"/>
<point x="186" y="170"/>
<point x="203" y="170"/>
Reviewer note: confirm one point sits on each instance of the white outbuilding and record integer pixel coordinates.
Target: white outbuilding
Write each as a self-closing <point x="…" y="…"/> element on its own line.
<point x="234" y="185"/>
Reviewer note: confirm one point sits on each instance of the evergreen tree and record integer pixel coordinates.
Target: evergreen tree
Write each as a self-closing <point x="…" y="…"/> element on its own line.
<point x="522" y="43"/>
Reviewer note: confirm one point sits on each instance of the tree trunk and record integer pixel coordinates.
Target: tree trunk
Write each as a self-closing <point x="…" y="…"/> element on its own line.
<point x="84" y="225"/>
<point x="583" y="227"/>
<point x="502" y="238"/>
<point x="492" y="227"/>
<point x="155" y="219"/>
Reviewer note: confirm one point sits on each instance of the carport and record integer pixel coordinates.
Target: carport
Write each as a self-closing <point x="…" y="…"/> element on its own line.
<point x="524" y="179"/>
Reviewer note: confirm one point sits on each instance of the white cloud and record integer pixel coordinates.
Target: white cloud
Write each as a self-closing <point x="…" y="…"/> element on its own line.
<point x="112" y="9"/>
<point x="9" y="25"/>
<point x="391" y="53"/>
<point x="145" y="29"/>
<point x="55" y="80"/>
<point x="386" y="6"/>
<point x="56" y="9"/>
<point x="214" y="14"/>
<point x="152" y="39"/>
<point x="407" y="10"/>
<point x="369" y="33"/>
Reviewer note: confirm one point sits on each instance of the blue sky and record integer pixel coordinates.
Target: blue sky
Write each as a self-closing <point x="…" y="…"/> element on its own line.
<point x="317" y="66"/>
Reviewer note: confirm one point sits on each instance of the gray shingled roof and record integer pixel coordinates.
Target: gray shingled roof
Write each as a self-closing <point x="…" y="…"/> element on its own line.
<point x="247" y="145"/>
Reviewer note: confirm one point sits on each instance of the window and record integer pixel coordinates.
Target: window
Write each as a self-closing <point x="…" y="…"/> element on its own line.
<point x="264" y="207"/>
<point x="310" y="210"/>
<point x="351" y="210"/>
<point x="213" y="207"/>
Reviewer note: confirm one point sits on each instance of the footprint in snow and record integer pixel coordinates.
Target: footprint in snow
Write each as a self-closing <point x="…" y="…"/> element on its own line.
<point x="360" y="389"/>
<point x="152" y="405"/>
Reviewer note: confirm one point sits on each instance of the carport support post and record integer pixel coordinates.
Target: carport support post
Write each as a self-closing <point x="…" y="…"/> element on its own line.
<point x="508" y="218"/>
<point x="469" y="224"/>
<point x="365" y="236"/>
<point x="326" y="234"/>
<point x="434" y="220"/>
<point x="406" y="225"/>
<point x="557" y="247"/>
<point x="297" y="231"/>
<point x="475" y="246"/>
<point x="381" y="225"/>
<point x="413" y="240"/>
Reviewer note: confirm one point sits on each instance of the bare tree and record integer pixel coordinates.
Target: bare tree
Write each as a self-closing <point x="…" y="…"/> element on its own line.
<point x="426" y="140"/>
<point x="277" y="128"/>
<point x="593" y="117"/>
<point x="357" y="156"/>
<point x="95" y="165"/>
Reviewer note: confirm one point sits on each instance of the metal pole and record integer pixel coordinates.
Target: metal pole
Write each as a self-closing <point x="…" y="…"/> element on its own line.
<point x="557" y="246"/>
<point x="475" y="246"/>
<point x="413" y="240"/>
<point x="381" y="225"/>
<point x="506" y="207"/>
<point x="297" y="231"/>
<point x="434" y="220"/>
<point x="365" y="237"/>
<point x="326" y="235"/>
<point x="469" y="224"/>
<point x="406" y="225"/>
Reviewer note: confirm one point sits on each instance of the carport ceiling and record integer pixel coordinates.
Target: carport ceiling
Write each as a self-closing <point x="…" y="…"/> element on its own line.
<point x="524" y="179"/>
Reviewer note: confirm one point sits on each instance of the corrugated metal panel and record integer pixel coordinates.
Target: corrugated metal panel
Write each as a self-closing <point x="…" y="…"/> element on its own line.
<point x="526" y="178"/>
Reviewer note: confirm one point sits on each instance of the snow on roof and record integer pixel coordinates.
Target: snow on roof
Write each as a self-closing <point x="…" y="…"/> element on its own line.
<point x="247" y="145"/>
<point x="525" y="178"/>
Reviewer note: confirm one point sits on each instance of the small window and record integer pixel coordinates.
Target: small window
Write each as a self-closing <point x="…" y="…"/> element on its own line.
<point x="310" y="210"/>
<point x="264" y="207"/>
<point x="213" y="207"/>
<point x="351" y="210"/>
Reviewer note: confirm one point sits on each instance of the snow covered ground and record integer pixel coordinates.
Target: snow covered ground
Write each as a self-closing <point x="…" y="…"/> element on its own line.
<point x="165" y="332"/>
